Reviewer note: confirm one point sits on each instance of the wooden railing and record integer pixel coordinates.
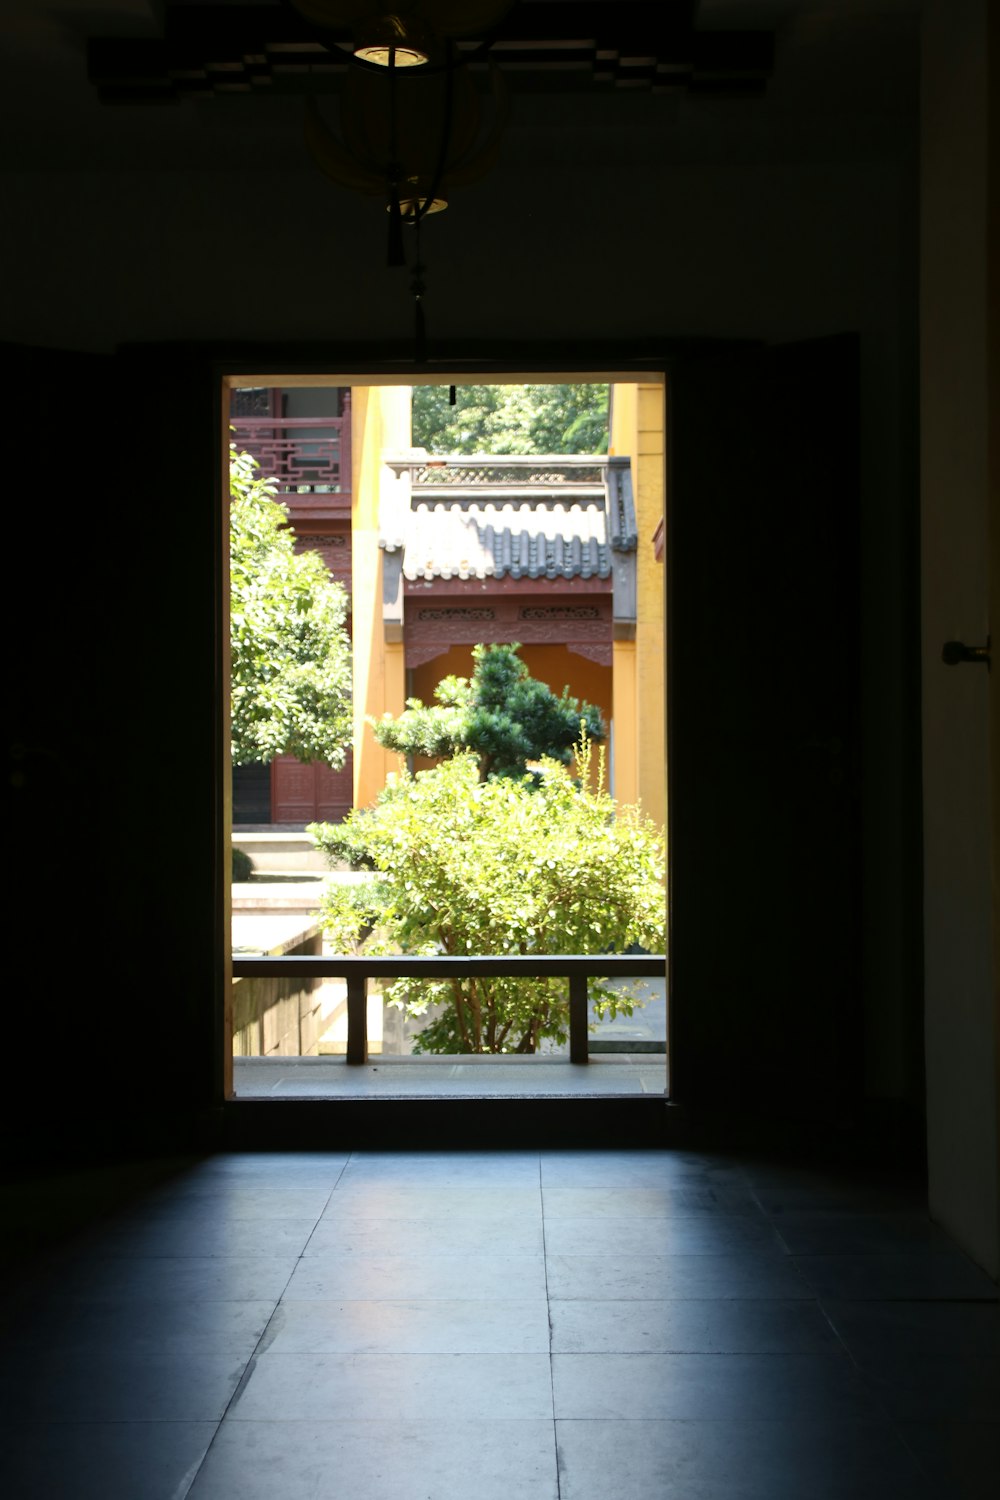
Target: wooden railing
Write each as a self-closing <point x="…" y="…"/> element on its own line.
<point x="304" y="454"/>
<point x="576" y="968"/>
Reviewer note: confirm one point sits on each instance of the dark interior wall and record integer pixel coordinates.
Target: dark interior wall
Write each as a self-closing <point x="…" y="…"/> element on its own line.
<point x="114" y="896"/>
<point x="590" y="230"/>
<point x="777" y="250"/>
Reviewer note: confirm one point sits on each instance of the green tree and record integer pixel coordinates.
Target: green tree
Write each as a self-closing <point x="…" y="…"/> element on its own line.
<point x="501" y="867"/>
<point x="290" y="669"/>
<point x="511" y="419"/>
<point x="502" y="714"/>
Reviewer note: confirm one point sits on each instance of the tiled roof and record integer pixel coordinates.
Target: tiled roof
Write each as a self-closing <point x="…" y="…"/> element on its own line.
<point x="491" y="541"/>
<point x="517" y="535"/>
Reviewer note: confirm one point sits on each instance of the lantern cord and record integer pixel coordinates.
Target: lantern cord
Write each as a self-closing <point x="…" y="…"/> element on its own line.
<point x="395" y="254"/>
<point x="418" y="287"/>
<point x="423" y="208"/>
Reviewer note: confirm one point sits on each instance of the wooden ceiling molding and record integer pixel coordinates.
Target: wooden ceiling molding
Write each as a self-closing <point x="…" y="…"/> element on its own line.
<point x="273" y="48"/>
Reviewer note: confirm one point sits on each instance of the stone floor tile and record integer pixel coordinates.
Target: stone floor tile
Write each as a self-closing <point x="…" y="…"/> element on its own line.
<point x="211" y="1278"/>
<point x="922" y="1387"/>
<point x="461" y="1235"/>
<point x="845" y="1233"/>
<point x="473" y="1326"/>
<point x="677" y="1199"/>
<point x="651" y="1168"/>
<point x="390" y="1200"/>
<point x="324" y="1278"/>
<point x="946" y="1330"/>
<point x="221" y="1201"/>
<point x="210" y="1235"/>
<point x="154" y="1460"/>
<point x="51" y="1386"/>
<point x="736" y="1460"/>
<point x="686" y="1326"/>
<point x="462" y="1388"/>
<point x="472" y="1168"/>
<point x="390" y="1458"/>
<point x="655" y="1277"/>
<point x="961" y="1459"/>
<point x="179" y="1326"/>
<point x="895" y="1277"/>
<point x="711" y="1387"/>
<point x="700" y="1234"/>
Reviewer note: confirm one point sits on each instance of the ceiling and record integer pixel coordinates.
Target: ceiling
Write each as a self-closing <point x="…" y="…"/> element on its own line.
<point x="174" y="83"/>
<point x="212" y="48"/>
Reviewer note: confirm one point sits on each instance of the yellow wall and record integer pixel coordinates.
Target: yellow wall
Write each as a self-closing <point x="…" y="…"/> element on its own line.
<point x="637" y="431"/>
<point x="631" y="696"/>
<point x="380" y="422"/>
<point x="560" y="667"/>
<point x="555" y="665"/>
<point x="625" y="759"/>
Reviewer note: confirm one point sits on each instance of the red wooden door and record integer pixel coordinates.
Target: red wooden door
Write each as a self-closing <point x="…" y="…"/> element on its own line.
<point x="310" y="793"/>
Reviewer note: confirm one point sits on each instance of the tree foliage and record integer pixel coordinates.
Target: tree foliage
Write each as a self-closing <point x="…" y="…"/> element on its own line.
<point x="463" y="866"/>
<point x="290" y="653"/>
<point x="500" y="419"/>
<point x="501" y="714"/>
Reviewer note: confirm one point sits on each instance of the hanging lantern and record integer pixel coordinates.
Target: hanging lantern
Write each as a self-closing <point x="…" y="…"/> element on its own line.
<point x="407" y="36"/>
<point x="409" y="136"/>
<point x="412" y="127"/>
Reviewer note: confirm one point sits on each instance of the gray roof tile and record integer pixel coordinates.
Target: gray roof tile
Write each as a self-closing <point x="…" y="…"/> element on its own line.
<point x="517" y="517"/>
<point x="454" y="540"/>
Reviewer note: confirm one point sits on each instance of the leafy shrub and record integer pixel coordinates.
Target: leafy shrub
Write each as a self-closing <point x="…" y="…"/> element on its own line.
<point x="501" y="713"/>
<point x="243" y="865"/>
<point x="464" y="866"/>
<point x="343" y="843"/>
<point x="290" y="653"/>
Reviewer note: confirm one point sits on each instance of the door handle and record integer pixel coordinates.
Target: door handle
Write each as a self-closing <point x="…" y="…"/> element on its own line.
<point x="953" y="652"/>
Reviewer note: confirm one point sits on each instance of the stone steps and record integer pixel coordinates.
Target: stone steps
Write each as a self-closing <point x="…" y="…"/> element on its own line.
<point x="280" y="852"/>
<point x="286" y="894"/>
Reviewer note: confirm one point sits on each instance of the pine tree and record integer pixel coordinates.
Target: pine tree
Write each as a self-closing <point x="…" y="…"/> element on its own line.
<point x="502" y="714"/>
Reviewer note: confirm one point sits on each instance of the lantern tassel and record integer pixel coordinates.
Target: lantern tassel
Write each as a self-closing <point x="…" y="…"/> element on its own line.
<point x="395" y="254"/>
<point x="419" y="334"/>
<point x="418" y="286"/>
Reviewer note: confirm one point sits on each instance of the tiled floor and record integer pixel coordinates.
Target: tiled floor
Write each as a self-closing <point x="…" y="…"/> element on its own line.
<point x="667" y="1325"/>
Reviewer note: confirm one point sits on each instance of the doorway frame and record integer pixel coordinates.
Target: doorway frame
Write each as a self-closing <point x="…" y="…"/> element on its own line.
<point x="574" y="1118"/>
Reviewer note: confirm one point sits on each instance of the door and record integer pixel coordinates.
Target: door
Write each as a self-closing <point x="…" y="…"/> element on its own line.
<point x="764" y="764"/>
<point x="310" y="793"/>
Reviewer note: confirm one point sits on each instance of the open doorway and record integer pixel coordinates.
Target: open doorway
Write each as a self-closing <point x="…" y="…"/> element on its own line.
<point x="569" y="567"/>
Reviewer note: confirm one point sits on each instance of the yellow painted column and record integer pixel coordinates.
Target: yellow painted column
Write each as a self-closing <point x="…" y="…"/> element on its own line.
<point x="624" y="419"/>
<point x="650" y="639"/>
<point x="380" y="423"/>
<point x="625" y="773"/>
<point x="637" y="432"/>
